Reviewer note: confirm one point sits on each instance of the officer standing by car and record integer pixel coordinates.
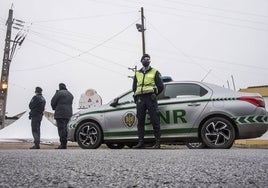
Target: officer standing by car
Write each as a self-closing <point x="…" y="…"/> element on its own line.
<point x="62" y="103"/>
<point x="147" y="84"/>
<point x="37" y="107"/>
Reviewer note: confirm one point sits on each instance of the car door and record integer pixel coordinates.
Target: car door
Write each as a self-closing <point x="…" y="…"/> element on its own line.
<point x="180" y="107"/>
<point x="120" y="120"/>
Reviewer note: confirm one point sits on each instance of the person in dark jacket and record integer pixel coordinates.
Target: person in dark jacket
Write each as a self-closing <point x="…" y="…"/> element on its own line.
<point x="37" y="107"/>
<point x="147" y="84"/>
<point x="62" y="103"/>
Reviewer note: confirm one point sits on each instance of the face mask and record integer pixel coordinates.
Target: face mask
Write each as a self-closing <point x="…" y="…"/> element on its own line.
<point x="146" y="63"/>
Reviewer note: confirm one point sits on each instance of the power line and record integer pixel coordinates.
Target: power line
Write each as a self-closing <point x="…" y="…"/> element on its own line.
<point x="61" y="52"/>
<point x="192" y="61"/>
<point x="213" y="21"/>
<point x="80" y="18"/>
<point x="54" y="64"/>
<point x="230" y="62"/>
<point x="191" y="58"/>
<point x="72" y="38"/>
<point x="87" y="51"/>
<point x="218" y="9"/>
<point x="203" y="13"/>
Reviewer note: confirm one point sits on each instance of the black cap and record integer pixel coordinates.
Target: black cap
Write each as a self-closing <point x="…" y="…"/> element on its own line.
<point x="62" y="86"/>
<point x="38" y="90"/>
<point x="145" y="55"/>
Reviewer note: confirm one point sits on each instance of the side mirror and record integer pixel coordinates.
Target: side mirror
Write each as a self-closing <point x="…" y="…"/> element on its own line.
<point x="114" y="103"/>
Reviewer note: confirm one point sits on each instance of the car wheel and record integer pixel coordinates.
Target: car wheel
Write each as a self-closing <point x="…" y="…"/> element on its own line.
<point x="115" y="145"/>
<point x="195" y="145"/>
<point x="89" y="136"/>
<point x="218" y="133"/>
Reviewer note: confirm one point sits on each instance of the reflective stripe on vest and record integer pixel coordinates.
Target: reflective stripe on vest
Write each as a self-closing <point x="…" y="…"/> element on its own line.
<point x="145" y="82"/>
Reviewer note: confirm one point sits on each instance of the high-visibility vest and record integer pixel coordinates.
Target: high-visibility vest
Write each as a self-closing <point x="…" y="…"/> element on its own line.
<point x="145" y="82"/>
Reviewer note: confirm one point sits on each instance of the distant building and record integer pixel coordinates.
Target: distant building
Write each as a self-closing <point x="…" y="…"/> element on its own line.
<point x="262" y="90"/>
<point x="90" y="99"/>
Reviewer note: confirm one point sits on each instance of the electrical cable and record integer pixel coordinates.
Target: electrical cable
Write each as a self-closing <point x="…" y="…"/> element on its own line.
<point x="192" y="61"/>
<point x="79" y="18"/>
<point x="87" y="51"/>
<point x="218" y="9"/>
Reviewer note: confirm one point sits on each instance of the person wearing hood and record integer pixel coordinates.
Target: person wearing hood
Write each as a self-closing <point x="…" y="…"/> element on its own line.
<point x="62" y="103"/>
<point x="147" y="84"/>
<point x="37" y="107"/>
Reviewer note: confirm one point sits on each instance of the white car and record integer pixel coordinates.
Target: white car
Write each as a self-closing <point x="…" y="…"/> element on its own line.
<point x="199" y="114"/>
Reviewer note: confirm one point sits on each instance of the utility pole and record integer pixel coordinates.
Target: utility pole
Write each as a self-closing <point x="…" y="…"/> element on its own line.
<point x="141" y="28"/>
<point x="142" y="33"/>
<point x="5" y="70"/>
<point x="8" y="55"/>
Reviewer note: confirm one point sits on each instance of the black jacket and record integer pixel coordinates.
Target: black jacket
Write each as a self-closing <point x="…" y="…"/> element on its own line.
<point x="62" y="103"/>
<point x="158" y="81"/>
<point x="37" y="105"/>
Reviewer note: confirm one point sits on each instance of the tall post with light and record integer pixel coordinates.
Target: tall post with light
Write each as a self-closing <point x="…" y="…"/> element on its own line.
<point x="5" y="70"/>
<point x="141" y="28"/>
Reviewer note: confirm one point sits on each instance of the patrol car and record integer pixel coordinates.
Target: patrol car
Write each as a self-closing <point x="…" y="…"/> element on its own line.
<point x="198" y="114"/>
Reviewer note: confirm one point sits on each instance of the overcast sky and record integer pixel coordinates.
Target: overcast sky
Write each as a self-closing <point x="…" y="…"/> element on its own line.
<point x="92" y="43"/>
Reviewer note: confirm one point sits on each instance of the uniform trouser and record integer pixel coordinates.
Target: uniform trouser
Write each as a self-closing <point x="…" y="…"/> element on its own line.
<point x="36" y="124"/>
<point x="62" y="130"/>
<point x="148" y="102"/>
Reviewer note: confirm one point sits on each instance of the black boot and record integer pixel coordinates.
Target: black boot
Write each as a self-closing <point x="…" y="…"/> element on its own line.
<point x="36" y="146"/>
<point x="140" y="145"/>
<point x="157" y="144"/>
<point x="62" y="147"/>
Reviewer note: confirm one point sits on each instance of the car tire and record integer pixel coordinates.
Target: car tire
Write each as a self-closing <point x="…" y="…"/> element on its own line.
<point x="195" y="145"/>
<point x="89" y="136"/>
<point x="115" y="145"/>
<point x="218" y="133"/>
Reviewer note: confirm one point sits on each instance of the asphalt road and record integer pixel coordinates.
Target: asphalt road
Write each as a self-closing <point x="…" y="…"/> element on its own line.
<point x="134" y="168"/>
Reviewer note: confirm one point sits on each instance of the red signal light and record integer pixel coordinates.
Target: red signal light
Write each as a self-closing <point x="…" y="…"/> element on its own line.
<point x="255" y="100"/>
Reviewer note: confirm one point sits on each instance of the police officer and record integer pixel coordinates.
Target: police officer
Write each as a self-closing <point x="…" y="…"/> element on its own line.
<point x="62" y="102"/>
<point x="37" y="107"/>
<point x="147" y="84"/>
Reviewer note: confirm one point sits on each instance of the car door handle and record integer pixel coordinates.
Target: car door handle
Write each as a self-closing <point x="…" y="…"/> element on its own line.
<point x="194" y="104"/>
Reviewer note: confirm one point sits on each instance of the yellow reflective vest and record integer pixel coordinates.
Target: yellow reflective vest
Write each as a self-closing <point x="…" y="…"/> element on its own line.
<point x="145" y="82"/>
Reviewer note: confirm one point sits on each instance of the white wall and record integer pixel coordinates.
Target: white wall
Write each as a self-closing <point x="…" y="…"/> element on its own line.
<point x="266" y="102"/>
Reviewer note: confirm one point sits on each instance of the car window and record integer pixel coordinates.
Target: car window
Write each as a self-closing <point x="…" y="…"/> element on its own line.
<point x="184" y="89"/>
<point x="126" y="99"/>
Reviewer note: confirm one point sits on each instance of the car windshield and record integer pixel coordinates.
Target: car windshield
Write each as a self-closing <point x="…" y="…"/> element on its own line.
<point x="126" y="98"/>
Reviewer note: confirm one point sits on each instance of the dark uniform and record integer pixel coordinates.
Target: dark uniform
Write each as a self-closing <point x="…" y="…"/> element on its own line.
<point x="37" y="107"/>
<point x="147" y="84"/>
<point x="62" y="103"/>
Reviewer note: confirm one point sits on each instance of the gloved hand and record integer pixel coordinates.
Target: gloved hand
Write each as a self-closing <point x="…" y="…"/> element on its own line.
<point x="153" y="97"/>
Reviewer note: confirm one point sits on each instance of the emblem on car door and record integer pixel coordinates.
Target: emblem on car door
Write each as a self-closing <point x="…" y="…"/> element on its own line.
<point x="129" y="119"/>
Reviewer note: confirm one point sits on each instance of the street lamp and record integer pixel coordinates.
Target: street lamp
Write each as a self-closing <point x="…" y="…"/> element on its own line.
<point x="4" y="85"/>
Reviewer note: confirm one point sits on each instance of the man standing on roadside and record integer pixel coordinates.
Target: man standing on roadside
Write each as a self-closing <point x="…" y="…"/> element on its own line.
<point x="147" y="84"/>
<point x="62" y="103"/>
<point x="37" y="107"/>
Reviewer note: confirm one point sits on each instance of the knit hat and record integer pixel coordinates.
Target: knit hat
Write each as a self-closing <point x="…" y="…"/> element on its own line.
<point x="145" y="55"/>
<point x="38" y="90"/>
<point x="62" y="86"/>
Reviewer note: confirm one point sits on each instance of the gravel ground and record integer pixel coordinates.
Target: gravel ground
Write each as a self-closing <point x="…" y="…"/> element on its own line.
<point x="27" y="145"/>
<point x="236" y="168"/>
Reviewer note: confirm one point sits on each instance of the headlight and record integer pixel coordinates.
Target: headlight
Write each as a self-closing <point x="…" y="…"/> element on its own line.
<point x="74" y="117"/>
